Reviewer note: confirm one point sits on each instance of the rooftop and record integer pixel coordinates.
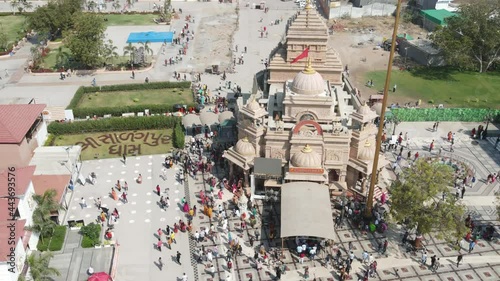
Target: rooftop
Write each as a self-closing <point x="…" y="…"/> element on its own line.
<point x="43" y="183"/>
<point x="22" y="178"/>
<point x="16" y="120"/>
<point x="4" y="236"/>
<point x="56" y="160"/>
<point x="437" y="16"/>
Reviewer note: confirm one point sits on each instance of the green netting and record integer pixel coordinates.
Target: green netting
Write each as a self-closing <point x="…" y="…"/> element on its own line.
<point x="445" y="114"/>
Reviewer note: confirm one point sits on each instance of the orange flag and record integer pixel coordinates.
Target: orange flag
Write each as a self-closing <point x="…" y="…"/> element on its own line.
<point x="304" y="54"/>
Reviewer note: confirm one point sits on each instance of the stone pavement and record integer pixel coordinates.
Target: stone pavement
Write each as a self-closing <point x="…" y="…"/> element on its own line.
<point x="73" y="261"/>
<point x="140" y="218"/>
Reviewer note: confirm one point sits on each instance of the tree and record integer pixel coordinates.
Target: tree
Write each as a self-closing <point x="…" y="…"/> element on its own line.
<point x="55" y="18"/>
<point x="4" y="41"/>
<point x="86" y="40"/>
<point x="27" y="5"/>
<point x="178" y="136"/>
<point x="147" y="49"/>
<point x="39" y="266"/>
<point x="130" y="50"/>
<point x="15" y="4"/>
<point x="46" y="204"/>
<point x="415" y="200"/>
<point x="91" y="6"/>
<point x="471" y="39"/>
<point x="110" y="51"/>
<point x="116" y="5"/>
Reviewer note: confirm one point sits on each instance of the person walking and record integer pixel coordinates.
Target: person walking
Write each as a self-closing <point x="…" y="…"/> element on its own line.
<point x="431" y="146"/>
<point x="424" y="258"/>
<point x="394" y="88"/>
<point x="158" y="189"/>
<point x="133" y="74"/>
<point x="365" y="256"/>
<point x="433" y="261"/>
<point x="160" y="263"/>
<point x="178" y="258"/>
<point x="384" y="249"/>
<point x="212" y="270"/>
<point x="459" y="259"/>
<point x="124" y="158"/>
<point x="159" y="244"/>
<point x="184" y="277"/>
<point x="463" y="191"/>
<point x="83" y="203"/>
<point x="472" y="244"/>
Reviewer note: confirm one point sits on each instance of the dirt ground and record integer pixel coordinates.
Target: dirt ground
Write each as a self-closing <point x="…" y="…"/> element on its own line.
<point x="357" y="41"/>
<point x="214" y="39"/>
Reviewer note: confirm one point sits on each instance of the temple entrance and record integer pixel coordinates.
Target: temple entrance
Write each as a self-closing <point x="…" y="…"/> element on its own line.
<point x="333" y="175"/>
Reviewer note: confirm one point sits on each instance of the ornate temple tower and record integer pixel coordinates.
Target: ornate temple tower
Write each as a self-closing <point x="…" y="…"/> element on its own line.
<point x="307" y="30"/>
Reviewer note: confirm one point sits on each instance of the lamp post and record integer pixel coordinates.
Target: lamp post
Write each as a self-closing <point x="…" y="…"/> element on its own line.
<point x="406" y="54"/>
<point x="369" y="202"/>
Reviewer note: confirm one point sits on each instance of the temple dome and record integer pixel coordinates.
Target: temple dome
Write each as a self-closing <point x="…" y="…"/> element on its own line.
<point x="308" y="82"/>
<point x="253" y="105"/>
<point x="244" y="147"/>
<point x="367" y="153"/>
<point x="377" y="107"/>
<point x="365" y="110"/>
<point x="306" y="158"/>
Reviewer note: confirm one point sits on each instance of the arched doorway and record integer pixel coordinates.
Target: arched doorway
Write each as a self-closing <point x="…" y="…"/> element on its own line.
<point x="333" y="175"/>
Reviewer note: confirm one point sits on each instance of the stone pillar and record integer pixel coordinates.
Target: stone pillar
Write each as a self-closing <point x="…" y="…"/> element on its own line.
<point x="363" y="186"/>
<point x="231" y="169"/>
<point x="245" y="178"/>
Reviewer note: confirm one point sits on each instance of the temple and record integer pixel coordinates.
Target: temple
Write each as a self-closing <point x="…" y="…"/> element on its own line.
<point x="307" y="30"/>
<point x="309" y="130"/>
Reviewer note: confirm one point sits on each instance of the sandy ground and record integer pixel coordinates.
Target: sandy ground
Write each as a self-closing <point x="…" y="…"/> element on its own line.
<point x="214" y="38"/>
<point x="356" y="41"/>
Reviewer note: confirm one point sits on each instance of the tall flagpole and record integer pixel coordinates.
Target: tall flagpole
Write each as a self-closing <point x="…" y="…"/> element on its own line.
<point x="369" y="203"/>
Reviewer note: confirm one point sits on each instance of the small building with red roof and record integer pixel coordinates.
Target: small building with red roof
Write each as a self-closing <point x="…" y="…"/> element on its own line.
<point x="16" y="211"/>
<point x="22" y="129"/>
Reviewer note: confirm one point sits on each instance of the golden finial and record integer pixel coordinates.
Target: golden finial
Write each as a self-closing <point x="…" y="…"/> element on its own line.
<point x="308" y="5"/>
<point x="307" y="149"/>
<point x="244" y="139"/>
<point x="309" y="69"/>
<point x="367" y="143"/>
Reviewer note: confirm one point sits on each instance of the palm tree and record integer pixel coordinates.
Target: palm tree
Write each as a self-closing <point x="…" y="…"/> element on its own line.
<point x="130" y="50"/>
<point x="46" y="204"/>
<point x="15" y="5"/>
<point x="39" y="266"/>
<point x="27" y="5"/>
<point x="61" y="57"/>
<point x="91" y="6"/>
<point x="116" y="5"/>
<point x="110" y="52"/>
<point x="36" y="55"/>
<point x="147" y="49"/>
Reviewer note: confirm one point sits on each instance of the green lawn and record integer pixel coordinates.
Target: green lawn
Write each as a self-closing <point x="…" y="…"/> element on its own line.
<point x="442" y="86"/>
<point x="50" y="61"/>
<point x="124" y="19"/>
<point x="95" y="147"/>
<point x="137" y="97"/>
<point x="12" y="26"/>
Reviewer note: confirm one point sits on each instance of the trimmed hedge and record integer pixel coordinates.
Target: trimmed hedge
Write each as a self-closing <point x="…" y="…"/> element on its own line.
<point x="119" y="110"/>
<point x="444" y="114"/>
<point x="114" y="124"/>
<point x="57" y="241"/>
<point x="91" y="235"/>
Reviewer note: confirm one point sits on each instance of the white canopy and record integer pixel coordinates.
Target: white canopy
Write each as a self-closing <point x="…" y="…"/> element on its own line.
<point x="209" y="118"/>
<point x="191" y="120"/>
<point x="223" y="116"/>
<point x="306" y="210"/>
